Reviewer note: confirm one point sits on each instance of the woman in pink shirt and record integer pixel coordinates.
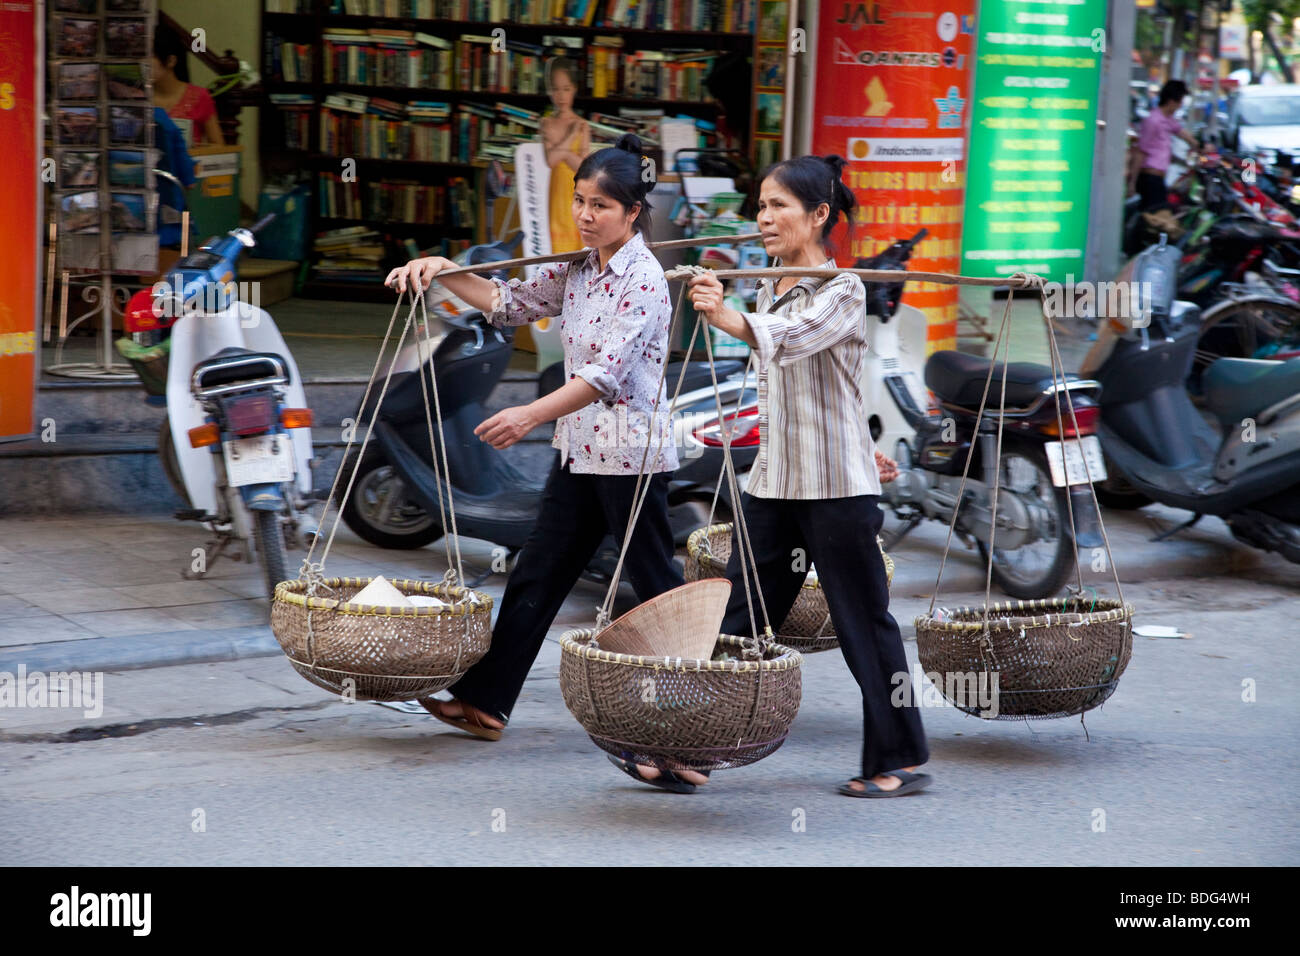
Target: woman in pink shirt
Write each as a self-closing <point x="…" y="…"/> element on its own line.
<point x="182" y="99"/>
<point x="1149" y="160"/>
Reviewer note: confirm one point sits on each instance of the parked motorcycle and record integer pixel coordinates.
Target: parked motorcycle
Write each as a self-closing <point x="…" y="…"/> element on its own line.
<point x="1033" y="548"/>
<point x="1241" y="462"/>
<point x="394" y="502"/>
<point x="236" y="445"/>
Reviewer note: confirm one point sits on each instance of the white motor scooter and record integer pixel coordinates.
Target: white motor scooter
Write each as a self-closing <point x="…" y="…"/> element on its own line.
<point x="237" y="443"/>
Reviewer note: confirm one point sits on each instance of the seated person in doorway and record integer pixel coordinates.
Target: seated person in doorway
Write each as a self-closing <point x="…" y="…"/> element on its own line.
<point x="173" y="91"/>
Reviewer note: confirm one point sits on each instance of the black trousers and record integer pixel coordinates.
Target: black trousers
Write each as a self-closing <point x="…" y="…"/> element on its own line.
<point x="577" y="512"/>
<point x="1153" y="192"/>
<point x="839" y="536"/>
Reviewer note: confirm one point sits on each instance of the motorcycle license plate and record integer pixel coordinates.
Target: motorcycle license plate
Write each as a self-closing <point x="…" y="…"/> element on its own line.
<point x="266" y="459"/>
<point x="1076" y="451"/>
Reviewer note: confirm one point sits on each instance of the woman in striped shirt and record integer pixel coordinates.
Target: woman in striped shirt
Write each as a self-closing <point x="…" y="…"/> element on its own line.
<point x="813" y="492"/>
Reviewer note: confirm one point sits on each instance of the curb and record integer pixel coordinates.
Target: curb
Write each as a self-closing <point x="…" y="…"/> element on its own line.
<point x="139" y="651"/>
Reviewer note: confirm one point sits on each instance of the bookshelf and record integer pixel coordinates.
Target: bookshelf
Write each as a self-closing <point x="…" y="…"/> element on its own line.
<point x="395" y="108"/>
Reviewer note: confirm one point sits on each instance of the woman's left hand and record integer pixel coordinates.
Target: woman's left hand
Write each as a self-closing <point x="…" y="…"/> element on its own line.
<point x="706" y="296"/>
<point x="887" y="466"/>
<point x="507" y="426"/>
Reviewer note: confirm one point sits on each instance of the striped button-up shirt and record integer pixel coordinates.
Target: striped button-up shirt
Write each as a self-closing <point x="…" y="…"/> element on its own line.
<point x="814" y="441"/>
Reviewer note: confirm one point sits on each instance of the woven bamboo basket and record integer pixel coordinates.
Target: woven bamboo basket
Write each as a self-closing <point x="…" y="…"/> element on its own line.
<point x="1053" y="658"/>
<point x="806" y="628"/>
<point x="679" y="714"/>
<point x="386" y="653"/>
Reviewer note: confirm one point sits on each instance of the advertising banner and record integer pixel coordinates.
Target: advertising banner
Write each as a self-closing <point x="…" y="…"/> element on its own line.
<point x="533" y="186"/>
<point x="1033" y="125"/>
<point x="892" y="88"/>
<point x="20" y="243"/>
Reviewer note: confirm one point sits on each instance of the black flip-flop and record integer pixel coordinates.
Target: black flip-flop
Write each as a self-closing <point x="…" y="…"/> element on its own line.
<point x="667" y="780"/>
<point x="911" y="783"/>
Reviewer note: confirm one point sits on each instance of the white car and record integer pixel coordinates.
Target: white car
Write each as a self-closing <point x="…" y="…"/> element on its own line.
<point x="1265" y="120"/>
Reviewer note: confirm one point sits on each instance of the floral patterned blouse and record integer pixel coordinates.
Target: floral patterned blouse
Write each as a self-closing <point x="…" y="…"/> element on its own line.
<point x="614" y="327"/>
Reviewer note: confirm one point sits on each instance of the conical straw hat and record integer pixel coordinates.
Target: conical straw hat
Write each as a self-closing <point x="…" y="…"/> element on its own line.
<point x="684" y="622"/>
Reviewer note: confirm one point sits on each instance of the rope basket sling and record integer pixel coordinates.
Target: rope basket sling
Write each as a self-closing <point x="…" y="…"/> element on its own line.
<point x="807" y="627"/>
<point x="372" y="652"/>
<point x="728" y="710"/>
<point x="1054" y="658"/>
<point x="381" y="653"/>
<point x="1028" y="659"/>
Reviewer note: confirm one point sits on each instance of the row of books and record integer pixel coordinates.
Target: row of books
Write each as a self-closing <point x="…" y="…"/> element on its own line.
<point x="404" y="58"/>
<point x="351" y="253"/>
<point x="296" y="112"/>
<point x="729" y="16"/>
<point x="399" y="202"/>
<point x="432" y="131"/>
<point x="357" y="253"/>
<point x="384" y="136"/>
<point x="520" y="68"/>
<point x="387" y="66"/>
<point x="288" y="61"/>
<point x="652" y="77"/>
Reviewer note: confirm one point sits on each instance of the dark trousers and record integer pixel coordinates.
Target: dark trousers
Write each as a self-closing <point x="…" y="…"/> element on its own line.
<point x="1153" y="192"/>
<point x="577" y="512"/>
<point x="839" y="536"/>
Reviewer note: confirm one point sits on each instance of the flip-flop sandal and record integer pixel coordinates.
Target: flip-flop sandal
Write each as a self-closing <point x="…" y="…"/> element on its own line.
<point x="667" y="780"/>
<point x="911" y="783"/>
<point x="466" y="722"/>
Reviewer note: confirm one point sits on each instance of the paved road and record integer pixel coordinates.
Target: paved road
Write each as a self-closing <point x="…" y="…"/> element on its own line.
<point x="1183" y="769"/>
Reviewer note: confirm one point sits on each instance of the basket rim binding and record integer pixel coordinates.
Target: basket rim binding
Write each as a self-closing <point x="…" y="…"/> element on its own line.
<point x="998" y="616"/>
<point x="571" y="642"/>
<point x="290" y="592"/>
<point x="696" y="551"/>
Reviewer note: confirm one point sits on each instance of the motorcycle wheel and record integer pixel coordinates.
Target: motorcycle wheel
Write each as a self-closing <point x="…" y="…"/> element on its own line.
<point x="170" y="464"/>
<point x="1039" y="569"/>
<point x="378" y="510"/>
<point x="1250" y="328"/>
<point x="270" y="548"/>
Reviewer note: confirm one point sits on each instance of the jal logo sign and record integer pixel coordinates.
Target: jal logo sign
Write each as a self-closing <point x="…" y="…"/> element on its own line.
<point x="862" y="14"/>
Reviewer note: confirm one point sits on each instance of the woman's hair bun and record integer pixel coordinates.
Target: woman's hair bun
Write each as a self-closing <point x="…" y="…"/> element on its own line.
<point x="629" y="142"/>
<point x="836" y="163"/>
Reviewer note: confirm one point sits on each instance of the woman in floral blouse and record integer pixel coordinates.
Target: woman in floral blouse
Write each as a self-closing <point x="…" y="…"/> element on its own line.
<point x="614" y="318"/>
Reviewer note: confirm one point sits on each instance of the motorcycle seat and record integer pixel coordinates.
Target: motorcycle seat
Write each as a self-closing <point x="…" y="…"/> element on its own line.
<point x="252" y="365"/>
<point x="1237" y="388"/>
<point x="958" y="378"/>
